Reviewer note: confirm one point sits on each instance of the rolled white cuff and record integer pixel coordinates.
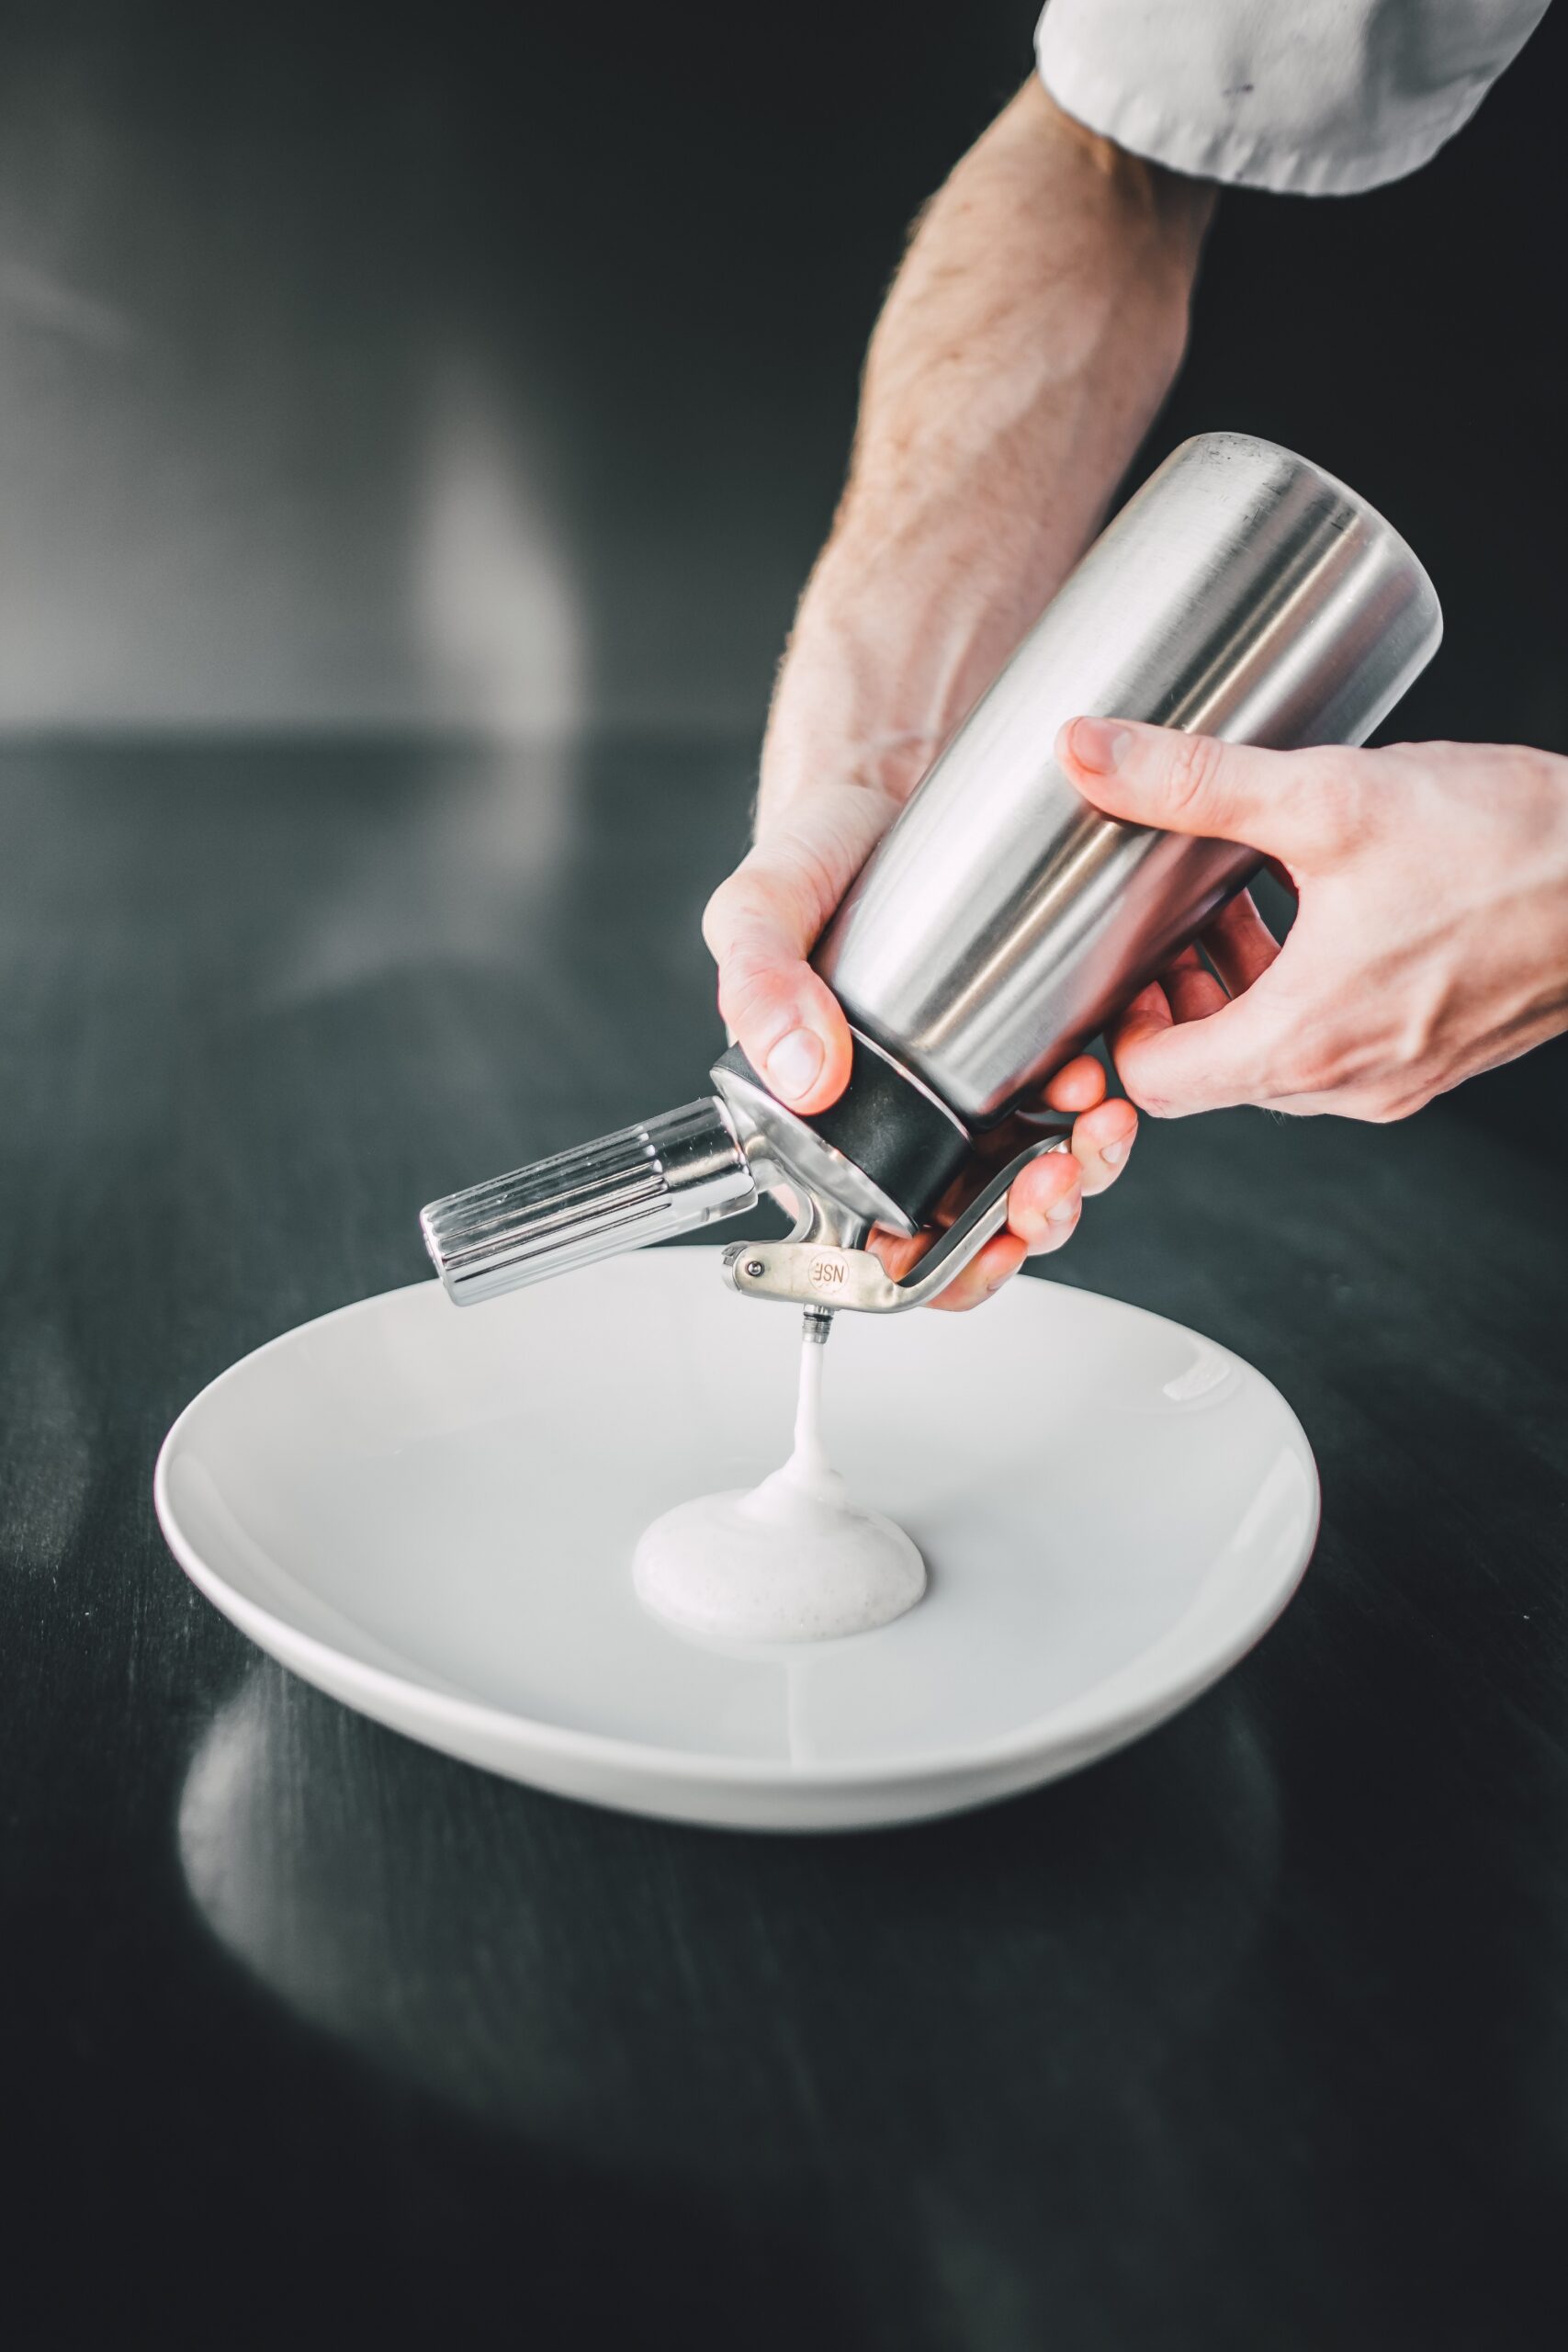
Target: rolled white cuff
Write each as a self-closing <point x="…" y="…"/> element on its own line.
<point x="1302" y="96"/>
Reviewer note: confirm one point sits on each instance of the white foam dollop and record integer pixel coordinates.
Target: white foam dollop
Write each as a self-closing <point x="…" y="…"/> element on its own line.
<point x="795" y="1559"/>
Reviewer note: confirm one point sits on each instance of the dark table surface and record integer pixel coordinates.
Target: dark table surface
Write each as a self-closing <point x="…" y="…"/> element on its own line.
<point x="1257" y="2034"/>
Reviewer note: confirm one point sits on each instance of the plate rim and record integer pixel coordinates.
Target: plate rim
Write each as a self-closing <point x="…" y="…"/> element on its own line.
<point x="1042" y="1737"/>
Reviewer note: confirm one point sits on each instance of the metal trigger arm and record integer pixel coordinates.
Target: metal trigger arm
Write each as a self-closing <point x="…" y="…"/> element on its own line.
<point x="817" y="1271"/>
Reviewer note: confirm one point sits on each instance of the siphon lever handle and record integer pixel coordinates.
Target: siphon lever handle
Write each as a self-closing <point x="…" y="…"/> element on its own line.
<point x="818" y="1273"/>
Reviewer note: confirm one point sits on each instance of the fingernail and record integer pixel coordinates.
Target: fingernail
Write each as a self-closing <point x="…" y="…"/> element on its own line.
<point x="795" y="1065"/>
<point x="1097" y="745"/>
<point x="1113" y="1153"/>
<point x="1064" y="1210"/>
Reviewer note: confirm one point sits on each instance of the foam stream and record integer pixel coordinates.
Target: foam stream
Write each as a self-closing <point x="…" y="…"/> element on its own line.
<point x="795" y="1559"/>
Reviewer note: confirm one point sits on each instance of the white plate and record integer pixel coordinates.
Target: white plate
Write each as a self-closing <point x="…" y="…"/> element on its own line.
<point x="429" y="1513"/>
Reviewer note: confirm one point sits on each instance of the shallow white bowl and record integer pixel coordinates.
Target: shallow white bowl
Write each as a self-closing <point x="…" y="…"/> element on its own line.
<point x="429" y="1513"/>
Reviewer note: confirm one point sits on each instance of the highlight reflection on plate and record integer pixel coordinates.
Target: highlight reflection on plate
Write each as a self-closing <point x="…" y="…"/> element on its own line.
<point x="431" y="1513"/>
<point x="447" y="1929"/>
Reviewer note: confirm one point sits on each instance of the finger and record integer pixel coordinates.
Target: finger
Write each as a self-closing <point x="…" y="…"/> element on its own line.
<point x="1192" y="991"/>
<point x="1239" y="943"/>
<point x="1293" y="805"/>
<point x="1045" y="1202"/>
<point x="1078" y="1085"/>
<point x="761" y="925"/>
<point x="986" y="1273"/>
<point x="898" y="1252"/>
<point x="1207" y="1064"/>
<point x="1148" y="1015"/>
<point x="1101" y="1140"/>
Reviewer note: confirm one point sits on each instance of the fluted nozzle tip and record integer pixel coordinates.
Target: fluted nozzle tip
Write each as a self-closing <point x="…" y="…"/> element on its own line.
<point x="669" y="1175"/>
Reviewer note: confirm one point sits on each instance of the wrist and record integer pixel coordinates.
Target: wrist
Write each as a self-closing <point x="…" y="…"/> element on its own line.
<point x="897" y="634"/>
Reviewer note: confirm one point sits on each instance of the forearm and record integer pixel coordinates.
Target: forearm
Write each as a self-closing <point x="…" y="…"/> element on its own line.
<point x="1034" y="328"/>
<point x="1031" y="336"/>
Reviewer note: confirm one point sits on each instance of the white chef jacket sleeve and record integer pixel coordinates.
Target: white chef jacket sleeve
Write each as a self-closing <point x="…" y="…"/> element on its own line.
<point x="1309" y="97"/>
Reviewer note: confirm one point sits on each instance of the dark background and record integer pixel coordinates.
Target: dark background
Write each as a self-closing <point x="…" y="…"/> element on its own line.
<point x="413" y="432"/>
<point x="368" y="367"/>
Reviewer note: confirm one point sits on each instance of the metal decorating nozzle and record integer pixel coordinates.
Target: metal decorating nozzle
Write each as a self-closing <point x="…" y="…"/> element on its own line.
<point x="673" y="1174"/>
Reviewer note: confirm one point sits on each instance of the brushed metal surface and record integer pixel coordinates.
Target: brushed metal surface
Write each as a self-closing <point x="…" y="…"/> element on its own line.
<point x="666" y="1176"/>
<point x="1244" y="593"/>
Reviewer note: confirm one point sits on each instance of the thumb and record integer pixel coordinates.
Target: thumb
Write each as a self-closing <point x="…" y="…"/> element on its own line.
<point x="761" y="925"/>
<point x="1275" y="802"/>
